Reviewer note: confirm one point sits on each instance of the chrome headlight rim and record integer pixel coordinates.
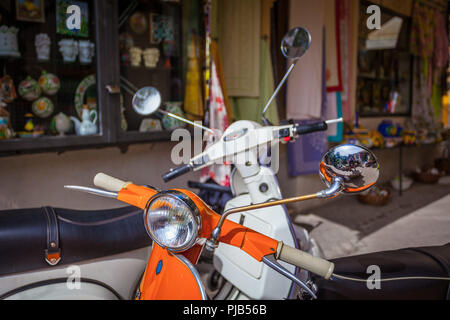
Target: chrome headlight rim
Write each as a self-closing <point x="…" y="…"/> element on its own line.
<point x="194" y="210"/>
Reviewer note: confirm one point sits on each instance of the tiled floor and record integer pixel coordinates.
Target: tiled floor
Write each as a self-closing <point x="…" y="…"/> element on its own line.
<point x="421" y="217"/>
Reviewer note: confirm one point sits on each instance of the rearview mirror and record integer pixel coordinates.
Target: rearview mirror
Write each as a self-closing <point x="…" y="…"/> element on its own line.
<point x="146" y="101"/>
<point x="355" y="167"/>
<point x="295" y="43"/>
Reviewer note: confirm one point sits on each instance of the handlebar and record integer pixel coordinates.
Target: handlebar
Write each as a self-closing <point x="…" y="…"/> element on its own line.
<point x="310" y="128"/>
<point x="209" y="187"/>
<point x="174" y="173"/>
<point x="305" y="261"/>
<point x="109" y="183"/>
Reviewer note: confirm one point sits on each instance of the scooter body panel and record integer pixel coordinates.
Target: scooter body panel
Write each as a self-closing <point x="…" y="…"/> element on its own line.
<point x="251" y="277"/>
<point x="130" y="266"/>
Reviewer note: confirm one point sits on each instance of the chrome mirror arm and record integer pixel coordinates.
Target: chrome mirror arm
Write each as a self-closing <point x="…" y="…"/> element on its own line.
<point x="264" y="119"/>
<point x="336" y="187"/>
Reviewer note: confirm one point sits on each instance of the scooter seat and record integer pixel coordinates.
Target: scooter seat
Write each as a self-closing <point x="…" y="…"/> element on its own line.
<point x="80" y="236"/>
<point x="411" y="262"/>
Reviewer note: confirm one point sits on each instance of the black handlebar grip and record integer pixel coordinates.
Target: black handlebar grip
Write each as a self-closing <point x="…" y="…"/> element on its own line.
<point x="209" y="186"/>
<point x="174" y="173"/>
<point x="310" y="128"/>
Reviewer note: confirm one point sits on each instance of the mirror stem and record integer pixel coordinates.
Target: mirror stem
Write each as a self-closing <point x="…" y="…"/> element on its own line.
<point x="278" y="89"/>
<point x="187" y="121"/>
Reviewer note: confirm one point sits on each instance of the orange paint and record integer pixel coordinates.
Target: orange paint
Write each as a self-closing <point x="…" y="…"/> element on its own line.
<point x="174" y="281"/>
<point x="137" y="196"/>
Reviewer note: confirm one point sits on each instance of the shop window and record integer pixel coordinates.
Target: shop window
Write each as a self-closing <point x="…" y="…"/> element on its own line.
<point x="384" y="86"/>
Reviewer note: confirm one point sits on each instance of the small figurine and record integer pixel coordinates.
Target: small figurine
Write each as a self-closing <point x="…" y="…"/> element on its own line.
<point x="29" y="122"/>
<point x="5" y="129"/>
<point x="7" y="89"/>
<point x="42" y="42"/>
<point x="136" y="56"/>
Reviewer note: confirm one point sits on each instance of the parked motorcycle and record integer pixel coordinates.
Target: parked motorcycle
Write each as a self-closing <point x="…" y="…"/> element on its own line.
<point x="243" y="144"/>
<point x="253" y="243"/>
<point x="181" y="225"/>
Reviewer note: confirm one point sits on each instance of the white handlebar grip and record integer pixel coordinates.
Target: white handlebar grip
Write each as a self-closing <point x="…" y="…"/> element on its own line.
<point x="305" y="261"/>
<point x="109" y="183"/>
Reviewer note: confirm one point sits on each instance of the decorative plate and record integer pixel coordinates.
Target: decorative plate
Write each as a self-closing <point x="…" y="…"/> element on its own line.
<point x="29" y="89"/>
<point x="169" y="122"/>
<point x="43" y="107"/>
<point x="49" y="83"/>
<point x="81" y="91"/>
<point x="138" y="23"/>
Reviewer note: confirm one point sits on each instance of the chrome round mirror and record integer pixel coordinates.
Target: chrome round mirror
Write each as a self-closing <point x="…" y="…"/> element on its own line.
<point x="146" y="101"/>
<point x="295" y="43"/>
<point x="356" y="166"/>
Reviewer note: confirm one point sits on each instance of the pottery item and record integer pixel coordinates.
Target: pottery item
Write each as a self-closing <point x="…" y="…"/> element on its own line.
<point x="123" y="119"/>
<point x="29" y="122"/>
<point x="138" y="23"/>
<point x="68" y="49"/>
<point x="43" y="107"/>
<point x="62" y="124"/>
<point x="5" y="130"/>
<point x="86" y="126"/>
<point x="8" y="41"/>
<point x="42" y="42"/>
<point x="169" y="122"/>
<point x="151" y="57"/>
<point x="148" y="125"/>
<point x="81" y="91"/>
<point x="29" y="89"/>
<point x="7" y="89"/>
<point x="136" y="56"/>
<point x="49" y="83"/>
<point x="86" y="51"/>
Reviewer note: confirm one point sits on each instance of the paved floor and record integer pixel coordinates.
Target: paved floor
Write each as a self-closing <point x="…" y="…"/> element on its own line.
<point x="421" y="217"/>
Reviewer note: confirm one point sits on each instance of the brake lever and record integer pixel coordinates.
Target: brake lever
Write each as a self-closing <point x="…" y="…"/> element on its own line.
<point x="271" y="262"/>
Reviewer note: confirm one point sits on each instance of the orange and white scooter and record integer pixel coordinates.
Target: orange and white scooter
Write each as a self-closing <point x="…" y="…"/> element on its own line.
<point x="181" y="225"/>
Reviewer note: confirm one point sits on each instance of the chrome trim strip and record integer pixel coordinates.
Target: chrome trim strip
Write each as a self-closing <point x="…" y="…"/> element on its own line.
<point x="272" y="263"/>
<point x="97" y="192"/>
<point x="195" y="273"/>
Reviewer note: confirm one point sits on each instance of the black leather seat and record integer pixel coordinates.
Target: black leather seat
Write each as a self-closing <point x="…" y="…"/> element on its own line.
<point x="411" y="262"/>
<point x="83" y="235"/>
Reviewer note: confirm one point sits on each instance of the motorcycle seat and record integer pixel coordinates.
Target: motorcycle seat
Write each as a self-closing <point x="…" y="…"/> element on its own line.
<point x="410" y="262"/>
<point x="77" y="236"/>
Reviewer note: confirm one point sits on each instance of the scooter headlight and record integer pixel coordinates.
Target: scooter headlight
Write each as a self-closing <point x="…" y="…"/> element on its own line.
<point x="172" y="220"/>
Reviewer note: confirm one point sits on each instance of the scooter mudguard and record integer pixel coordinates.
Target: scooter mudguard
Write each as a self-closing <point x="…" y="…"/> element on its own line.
<point x="170" y="276"/>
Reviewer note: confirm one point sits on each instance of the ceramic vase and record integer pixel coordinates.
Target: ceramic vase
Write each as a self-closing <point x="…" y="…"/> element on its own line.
<point x="151" y="57"/>
<point x="68" y="49"/>
<point x="42" y="43"/>
<point x="86" y="51"/>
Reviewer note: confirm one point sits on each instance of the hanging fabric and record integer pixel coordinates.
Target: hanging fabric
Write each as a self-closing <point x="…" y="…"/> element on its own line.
<point x="333" y="71"/>
<point x="307" y="151"/>
<point x="217" y="59"/>
<point x="344" y="8"/>
<point x="193" y="99"/>
<point x="218" y="120"/>
<point x="251" y="108"/>
<point x="304" y="97"/>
